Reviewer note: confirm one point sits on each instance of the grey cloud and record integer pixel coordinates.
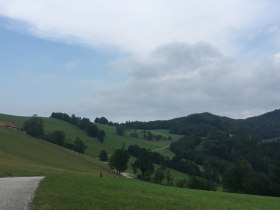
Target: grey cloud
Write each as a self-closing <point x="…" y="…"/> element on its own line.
<point x="170" y="59"/>
<point x="179" y="79"/>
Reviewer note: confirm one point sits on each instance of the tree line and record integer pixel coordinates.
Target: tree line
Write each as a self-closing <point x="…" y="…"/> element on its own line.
<point x="144" y="168"/>
<point x="35" y="127"/>
<point x="265" y="126"/>
<point x="82" y="123"/>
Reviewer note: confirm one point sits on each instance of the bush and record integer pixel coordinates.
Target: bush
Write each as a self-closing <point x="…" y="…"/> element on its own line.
<point x="34" y="127"/>
<point x="103" y="156"/>
<point x="56" y="137"/>
<point x="119" y="160"/>
<point x="120" y="129"/>
<point x="201" y="183"/>
<point x="79" y="146"/>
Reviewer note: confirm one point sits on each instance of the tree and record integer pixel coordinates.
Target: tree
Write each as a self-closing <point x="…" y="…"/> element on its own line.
<point x="101" y="120"/>
<point x="103" y="156"/>
<point x="101" y="135"/>
<point x="145" y="164"/>
<point x="79" y="146"/>
<point x="120" y="129"/>
<point x="92" y="130"/>
<point x="119" y="160"/>
<point x="34" y="127"/>
<point x="159" y="175"/>
<point x="237" y="176"/>
<point x="56" y="137"/>
<point x="201" y="183"/>
<point x="169" y="178"/>
<point x="84" y="123"/>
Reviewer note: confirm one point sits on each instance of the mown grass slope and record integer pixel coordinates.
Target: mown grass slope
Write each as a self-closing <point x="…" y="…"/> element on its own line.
<point x="22" y="155"/>
<point x="112" y="140"/>
<point x="89" y="193"/>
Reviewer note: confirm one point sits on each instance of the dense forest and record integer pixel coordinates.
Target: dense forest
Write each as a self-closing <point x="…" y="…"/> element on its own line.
<point x="265" y="126"/>
<point x="240" y="155"/>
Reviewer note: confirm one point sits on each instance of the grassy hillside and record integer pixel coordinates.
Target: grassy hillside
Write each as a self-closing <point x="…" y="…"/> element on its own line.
<point x="88" y="193"/>
<point x="72" y="180"/>
<point x="112" y="140"/>
<point x="21" y="155"/>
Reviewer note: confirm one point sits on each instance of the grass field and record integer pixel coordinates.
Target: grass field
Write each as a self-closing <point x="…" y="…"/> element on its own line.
<point x="112" y="140"/>
<point x="22" y="155"/>
<point x="89" y="193"/>
<point x="72" y="180"/>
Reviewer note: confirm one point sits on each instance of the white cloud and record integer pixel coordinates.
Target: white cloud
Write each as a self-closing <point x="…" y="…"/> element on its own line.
<point x="135" y="26"/>
<point x="194" y="73"/>
<point x="179" y="79"/>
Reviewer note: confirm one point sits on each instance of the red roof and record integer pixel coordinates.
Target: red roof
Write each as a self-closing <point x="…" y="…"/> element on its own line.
<point x="8" y="124"/>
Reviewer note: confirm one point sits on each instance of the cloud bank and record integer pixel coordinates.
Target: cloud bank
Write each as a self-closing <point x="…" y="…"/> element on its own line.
<point x="137" y="26"/>
<point x="176" y="57"/>
<point x="178" y="79"/>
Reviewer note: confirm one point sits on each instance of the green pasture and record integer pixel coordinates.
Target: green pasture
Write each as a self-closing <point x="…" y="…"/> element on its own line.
<point x="72" y="192"/>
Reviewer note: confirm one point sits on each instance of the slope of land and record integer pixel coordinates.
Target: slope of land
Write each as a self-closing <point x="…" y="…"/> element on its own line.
<point x="87" y="192"/>
<point x="111" y="143"/>
<point x="72" y="180"/>
<point x="112" y="140"/>
<point x="23" y="155"/>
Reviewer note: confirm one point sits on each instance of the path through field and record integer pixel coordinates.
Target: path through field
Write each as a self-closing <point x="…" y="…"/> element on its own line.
<point x="160" y="148"/>
<point x="16" y="193"/>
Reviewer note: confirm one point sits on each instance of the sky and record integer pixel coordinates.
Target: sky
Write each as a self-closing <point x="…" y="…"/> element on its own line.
<point x="139" y="60"/>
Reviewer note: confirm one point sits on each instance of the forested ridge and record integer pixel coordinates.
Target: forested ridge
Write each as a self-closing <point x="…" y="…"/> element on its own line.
<point x="264" y="126"/>
<point x="239" y="155"/>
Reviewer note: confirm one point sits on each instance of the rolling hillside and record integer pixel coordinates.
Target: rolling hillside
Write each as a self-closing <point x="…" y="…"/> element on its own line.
<point x="22" y="155"/>
<point x="112" y="140"/>
<point x="89" y="193"/>
<point x="72" y="180"/>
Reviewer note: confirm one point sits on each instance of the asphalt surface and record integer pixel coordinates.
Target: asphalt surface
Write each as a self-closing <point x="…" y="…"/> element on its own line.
<point x="16" y="193"/>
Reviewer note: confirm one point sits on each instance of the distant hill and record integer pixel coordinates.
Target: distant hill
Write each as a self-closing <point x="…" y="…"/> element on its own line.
<point x="213" y="146"/>
<point x="264" y="126"/>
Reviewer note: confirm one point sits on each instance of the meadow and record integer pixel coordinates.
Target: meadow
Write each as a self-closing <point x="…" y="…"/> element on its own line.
<point x="71" y="192"/>
<point x="72" y="180"/>
<point x="22" y="155"/>
<point x="112" y="140"/>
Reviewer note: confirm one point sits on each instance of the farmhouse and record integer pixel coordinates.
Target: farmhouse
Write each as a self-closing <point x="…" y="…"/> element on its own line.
<point x="8" y="125"/>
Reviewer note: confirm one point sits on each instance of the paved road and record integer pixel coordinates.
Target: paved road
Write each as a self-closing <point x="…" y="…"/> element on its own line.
<point x="16" y="193"/>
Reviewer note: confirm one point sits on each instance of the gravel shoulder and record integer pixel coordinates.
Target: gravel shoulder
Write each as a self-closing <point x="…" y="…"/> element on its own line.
<point x="16" y="193"/>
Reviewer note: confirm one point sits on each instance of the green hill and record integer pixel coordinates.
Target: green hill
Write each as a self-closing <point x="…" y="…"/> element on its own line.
<point x="21" y="155"/>
<point x="112" y="140"/>
<point x="72" y="180"/>
<point x="89" y="193"/>
<point x="265" y="126"/>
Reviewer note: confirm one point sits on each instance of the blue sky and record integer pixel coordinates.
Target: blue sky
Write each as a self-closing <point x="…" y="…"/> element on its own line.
<point x="45" y="72"/>
<point x="139" y="60"/>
